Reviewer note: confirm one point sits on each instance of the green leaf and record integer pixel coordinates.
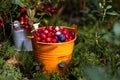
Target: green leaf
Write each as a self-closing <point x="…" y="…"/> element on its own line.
<point x="49" y="1"/>
<point x="14" y="1"/>
<point x="35" y="19"/>
<point x="109" y="7"/>
<point x="116" y="28"/>
<point x="101" y="6"/>
<point x="112" y="13"/>
<point x="21" y="4"/>
<point x="41" y="14"/>
<point x="31" y="12"/>
<point x="109" y="37"/>
<point x="9" y="78"/>
<point x="18" y="2"/>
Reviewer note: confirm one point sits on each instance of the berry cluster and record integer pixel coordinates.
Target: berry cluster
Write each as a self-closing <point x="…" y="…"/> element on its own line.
<point x="52" y="10"/>
<point x="24" y="18"/>
<point x="54" y="34"/>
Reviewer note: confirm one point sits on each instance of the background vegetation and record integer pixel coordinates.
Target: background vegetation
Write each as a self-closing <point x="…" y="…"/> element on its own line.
<point x="96" y="54"/>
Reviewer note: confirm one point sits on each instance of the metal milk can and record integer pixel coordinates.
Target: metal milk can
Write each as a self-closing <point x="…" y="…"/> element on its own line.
<point x="20" y="38"/>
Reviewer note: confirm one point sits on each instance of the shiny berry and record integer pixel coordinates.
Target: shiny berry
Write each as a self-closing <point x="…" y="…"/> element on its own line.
<point x="43" y="36"/>
<point x="23" y="10"/>
<point x="50" y="28"/>
<point x="30" y="26"/>
<point x="65" y="31"/>
<point x="48" y="39"/>
<point x="67" y="35"/>
<point x="38" y="38"/>
<point x="21" y="21"/>
<point x="43" y="40"/>
<point x="73" y="34"/>
<point x="49" y="34"/>
<point x="54" y="40"/>
<point x="1" y="24"/>
<point x="49" y="9"/>
<point x="58" y="33"/>
<point x="37" y="34"/>
<point x="26" y="26"/>
<point x="61" y="37"/>
<point x="46" y="31"/>
<point x="22" y="17"/>
<point x="39" y="30"/>
<point x="26" y="21"/>
<point x="57" y="28"/>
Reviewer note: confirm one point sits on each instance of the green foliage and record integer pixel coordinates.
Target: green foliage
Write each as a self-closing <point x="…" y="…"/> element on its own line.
<point x="10" y="72"/>
<point x="99" y="73"/>
<point x="7" y="50"/>
<point x="96" y="54"/>
<point x="27" y="59"/>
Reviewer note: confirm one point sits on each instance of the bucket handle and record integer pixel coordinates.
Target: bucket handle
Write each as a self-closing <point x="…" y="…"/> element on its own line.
<point x="74" y="28"/>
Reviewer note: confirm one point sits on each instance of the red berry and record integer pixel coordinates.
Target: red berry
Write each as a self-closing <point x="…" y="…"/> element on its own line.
<point x="26" y="26"/>
<point x="22" y="18"/>
<point x="57" y="28"/>
<point x="21" y="21"/>
<point x="54" y="40"/>
<point x="1" y="24"/>
<point x="58" y="33"/>
<point x="53" y="34"/>
<point x="23" y="10"/>
<point x="43" y="40"/>
<point x="71" y="38"/>
<point x="30" y="26"/>
<point x="54" y="7"/>
<point x="43" y="36"/>
<point x="46" y="31"/>
<point x="67" y="35"/>
<point x="41" y="7"/>
<point x="65" y="31"/>
<point x="53" y="27"/>
<point x="73" y="34"/>
<point x="37" y="34"/>
<point x="49" y="9"/>
<point x="48" y="39"/>
<point x="26" y="21"/>
<point x="38" y="38"/>
<point x="53" y="11"/>
<point x="49" y="34"/>
<point x="43" y="29"/>
<point x="50" y="28"/>
<point x="39" y="30"/>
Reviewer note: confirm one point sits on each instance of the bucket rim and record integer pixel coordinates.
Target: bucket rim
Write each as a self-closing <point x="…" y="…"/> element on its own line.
<point x="57" y="43"/>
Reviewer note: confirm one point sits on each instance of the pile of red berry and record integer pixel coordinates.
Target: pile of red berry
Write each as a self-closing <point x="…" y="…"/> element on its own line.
<point x="54" y="34"/>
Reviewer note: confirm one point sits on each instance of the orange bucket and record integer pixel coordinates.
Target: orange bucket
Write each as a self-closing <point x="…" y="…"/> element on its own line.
<point x="52" y="54"/>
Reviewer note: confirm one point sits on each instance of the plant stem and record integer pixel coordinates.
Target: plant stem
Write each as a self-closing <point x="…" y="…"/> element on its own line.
<point x="4" y="32"/>
<point x="11" y="26"/>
